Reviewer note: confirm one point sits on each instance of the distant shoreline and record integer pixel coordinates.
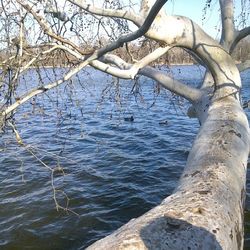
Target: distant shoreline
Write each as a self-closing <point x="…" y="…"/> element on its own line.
<point x="172" y="64"/>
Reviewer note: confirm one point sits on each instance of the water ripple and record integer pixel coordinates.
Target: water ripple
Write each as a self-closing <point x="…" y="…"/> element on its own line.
<point x="113" y="170"/>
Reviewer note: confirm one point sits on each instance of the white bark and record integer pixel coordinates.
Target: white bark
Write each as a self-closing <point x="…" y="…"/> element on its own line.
<point x="206" y="209"/>
<point x="125" y="14"/>
<point x="173" y="85"/>
<point x="132" y="70"/>
<point x="239" y="35"/>
<point x="181" y="31"/>
<point x="227" y="20"/>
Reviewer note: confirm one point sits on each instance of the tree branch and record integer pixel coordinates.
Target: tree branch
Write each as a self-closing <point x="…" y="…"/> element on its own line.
<point x="42" y="89"/>
<point x="124" y="14"/>
<point x="239" y="36"/>
<point x="180" y="31"/>
<point x="46" y="27"/>
<point x="134" y="35"/>
<point x="227" y="22"/>
<point x="131" y="69"/>
<point x="243" y="66"/>
<point x="177" y="87"/>
<point x="27" y="65"/>
<point x="125" y="70"/>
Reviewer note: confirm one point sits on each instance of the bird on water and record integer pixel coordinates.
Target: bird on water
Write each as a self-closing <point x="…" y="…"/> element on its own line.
<point x="129" y="119"/>
<point x="164" y="122"/>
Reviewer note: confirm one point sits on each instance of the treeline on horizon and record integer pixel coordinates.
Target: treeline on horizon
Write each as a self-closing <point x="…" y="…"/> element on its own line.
<point x="130" y="53"/>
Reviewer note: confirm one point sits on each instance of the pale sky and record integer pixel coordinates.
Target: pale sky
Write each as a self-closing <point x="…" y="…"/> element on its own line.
<point x="194" y="10"/>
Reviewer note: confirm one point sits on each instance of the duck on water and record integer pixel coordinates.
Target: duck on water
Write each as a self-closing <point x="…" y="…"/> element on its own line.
<point x="129" y="119"/>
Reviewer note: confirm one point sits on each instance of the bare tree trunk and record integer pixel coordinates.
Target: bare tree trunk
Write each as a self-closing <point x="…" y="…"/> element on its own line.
<point x="206" y="209"/>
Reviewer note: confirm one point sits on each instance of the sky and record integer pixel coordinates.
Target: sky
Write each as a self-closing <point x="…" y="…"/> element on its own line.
<point x="194" y="10"/>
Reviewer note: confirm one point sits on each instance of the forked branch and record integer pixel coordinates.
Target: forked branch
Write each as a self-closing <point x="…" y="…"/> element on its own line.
<point x="239" y="36"/>
<point x="175" y="86"/>
<point x="47" y="29"/>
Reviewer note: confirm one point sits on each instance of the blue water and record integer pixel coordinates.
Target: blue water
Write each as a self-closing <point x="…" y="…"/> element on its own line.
<point x="113" y="170"/>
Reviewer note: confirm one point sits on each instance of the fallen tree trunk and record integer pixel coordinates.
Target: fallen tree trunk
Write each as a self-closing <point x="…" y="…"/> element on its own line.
<point x="206" y="210"/>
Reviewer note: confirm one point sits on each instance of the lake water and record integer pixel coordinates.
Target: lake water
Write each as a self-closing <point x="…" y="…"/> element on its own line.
<point x="113" y="170"/>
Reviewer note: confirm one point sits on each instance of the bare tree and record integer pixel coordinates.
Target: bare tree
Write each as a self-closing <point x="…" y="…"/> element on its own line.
<point x="206" y="209"/>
